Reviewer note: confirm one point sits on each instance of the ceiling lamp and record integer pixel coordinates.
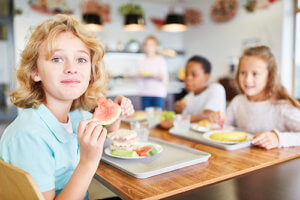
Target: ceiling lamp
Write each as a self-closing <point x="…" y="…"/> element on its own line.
<point x="93" y="22"/>
<point x="134" y="22"/>
<point x="174" y="23"/>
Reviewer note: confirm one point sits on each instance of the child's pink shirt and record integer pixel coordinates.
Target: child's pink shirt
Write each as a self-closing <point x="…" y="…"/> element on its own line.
<point x="157" y="67"/>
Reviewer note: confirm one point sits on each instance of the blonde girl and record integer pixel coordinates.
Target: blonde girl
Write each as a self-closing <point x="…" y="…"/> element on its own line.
<point x="264" y="107"/>
<point x="54" y="138"/>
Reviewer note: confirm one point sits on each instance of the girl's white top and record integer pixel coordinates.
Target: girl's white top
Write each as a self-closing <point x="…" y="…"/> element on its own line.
<point x="257" y="117"/>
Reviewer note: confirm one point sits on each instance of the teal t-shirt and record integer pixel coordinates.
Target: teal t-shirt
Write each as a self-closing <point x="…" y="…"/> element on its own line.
<point x="37" y="143"/>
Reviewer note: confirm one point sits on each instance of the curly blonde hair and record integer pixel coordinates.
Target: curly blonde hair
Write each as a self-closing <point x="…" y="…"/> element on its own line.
<point x="30" y="93"/>
<point x="274" y="89"/>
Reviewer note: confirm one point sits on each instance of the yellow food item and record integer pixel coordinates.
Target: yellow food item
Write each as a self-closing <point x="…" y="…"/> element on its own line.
<point x="139" y="114"/>
<point x="181" y="73"/>
<point x="204" y="123"/>
<point x="232" y="136"/>
<point x="146" y="74"/>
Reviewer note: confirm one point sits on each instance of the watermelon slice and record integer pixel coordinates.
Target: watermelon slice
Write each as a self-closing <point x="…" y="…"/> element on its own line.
<point x="107" y="111"/>
<point x="147" y="150"/>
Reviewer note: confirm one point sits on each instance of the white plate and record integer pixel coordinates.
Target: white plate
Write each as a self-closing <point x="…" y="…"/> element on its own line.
<point x="128" y="120"/>
<point x="207" y="136"/>
<point x="158" y="148"/>
<point x="196" y="127"/>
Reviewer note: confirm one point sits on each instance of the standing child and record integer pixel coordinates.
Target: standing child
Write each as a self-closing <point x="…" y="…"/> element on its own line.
<point x="53" y="138"/>
<point x="154" y="75"/>
<point x="264" y="106"/>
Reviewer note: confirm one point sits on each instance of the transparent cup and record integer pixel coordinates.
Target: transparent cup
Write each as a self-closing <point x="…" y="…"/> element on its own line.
<point x="141" y="128"/>
<point x="153" y="116"/>
<point x="182" y="122"/>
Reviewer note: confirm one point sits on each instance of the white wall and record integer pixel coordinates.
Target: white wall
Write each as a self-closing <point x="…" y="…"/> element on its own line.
<point x="220" y="41"/>
<point x="112" y="32"/>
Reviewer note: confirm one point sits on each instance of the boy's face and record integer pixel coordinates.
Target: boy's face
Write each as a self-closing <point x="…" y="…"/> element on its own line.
<point x="195" y="77"/>
<point x="65" y="75"/>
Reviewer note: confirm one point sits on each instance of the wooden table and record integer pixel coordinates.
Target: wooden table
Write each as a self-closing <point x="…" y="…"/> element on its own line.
<point x="222" y="165"/>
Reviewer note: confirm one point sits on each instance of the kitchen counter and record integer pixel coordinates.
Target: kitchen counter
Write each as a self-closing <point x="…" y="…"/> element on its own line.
<point x="129" y="87"/>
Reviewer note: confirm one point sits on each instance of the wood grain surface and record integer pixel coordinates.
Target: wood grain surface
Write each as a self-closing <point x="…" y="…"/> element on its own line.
<point x="222" y="165"/>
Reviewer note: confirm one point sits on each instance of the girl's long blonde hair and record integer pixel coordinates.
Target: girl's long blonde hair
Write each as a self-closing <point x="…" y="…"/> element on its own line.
<point x="274" y="89"/>
<point x="30" y="93"/>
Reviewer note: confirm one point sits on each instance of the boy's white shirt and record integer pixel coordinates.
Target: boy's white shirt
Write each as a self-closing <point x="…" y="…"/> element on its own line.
<point x="257" y="117"/>
<point x="212" y="98"/>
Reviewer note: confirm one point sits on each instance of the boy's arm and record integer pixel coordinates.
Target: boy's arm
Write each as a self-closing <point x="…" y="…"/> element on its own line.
<point x="204" y="115"/>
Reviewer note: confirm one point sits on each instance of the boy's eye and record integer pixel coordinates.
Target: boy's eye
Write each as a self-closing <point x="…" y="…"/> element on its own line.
<point x="56" y="60"/>
<point x="255" y="74"/>
<point x="243" y="73"/>
<point x="82" y="60"/>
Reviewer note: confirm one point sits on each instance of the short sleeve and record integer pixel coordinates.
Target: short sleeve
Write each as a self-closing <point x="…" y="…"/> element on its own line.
<point x="33" y="155"/>
<point x="216" y="99"/>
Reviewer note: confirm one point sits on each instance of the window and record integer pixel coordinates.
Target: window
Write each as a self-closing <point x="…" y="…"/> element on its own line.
<point x="297" y="50"/>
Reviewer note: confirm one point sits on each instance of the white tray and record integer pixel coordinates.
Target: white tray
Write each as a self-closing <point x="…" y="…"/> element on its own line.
<point x="171" y="158"/>
<point x="198" y="137"/>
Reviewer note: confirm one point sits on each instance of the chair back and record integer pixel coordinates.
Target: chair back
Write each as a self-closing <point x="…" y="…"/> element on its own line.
<point x="17" y="184"/>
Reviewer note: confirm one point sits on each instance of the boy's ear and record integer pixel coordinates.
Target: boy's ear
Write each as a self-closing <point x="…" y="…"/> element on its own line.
<point x="207" y="76"/>
<point x="35" y="75"/>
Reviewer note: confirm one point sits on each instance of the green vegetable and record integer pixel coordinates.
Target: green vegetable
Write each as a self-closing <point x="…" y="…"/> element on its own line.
<point x="124" y="153"/>
<point x="167" y="115"/>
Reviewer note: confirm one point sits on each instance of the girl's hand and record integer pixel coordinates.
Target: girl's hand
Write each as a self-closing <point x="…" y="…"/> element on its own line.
<point x="180" y="105"/>
<point x="91" y="136"/>
<point x="126" y="106"/>
<point x="267" y="140"/>
<point x="217" y="117"/>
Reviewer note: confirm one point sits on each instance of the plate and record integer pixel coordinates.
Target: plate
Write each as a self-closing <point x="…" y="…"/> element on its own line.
<point x="196" y="127"/>
<point x="207" y="136"/>
<point x="128" y="120"/>
<point x="156" y="146"/>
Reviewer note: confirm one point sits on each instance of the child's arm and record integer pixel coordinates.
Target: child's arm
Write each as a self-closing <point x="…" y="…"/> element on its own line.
<point x="127" y="110"/>
<point x="204" y="115"/>
<point x="180" y="105"/>
<point x="91" y="137"/>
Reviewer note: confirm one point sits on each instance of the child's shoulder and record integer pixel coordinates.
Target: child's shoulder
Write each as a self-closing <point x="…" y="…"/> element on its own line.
<point x="27" y="124"/>
<point x="215" y="88"/>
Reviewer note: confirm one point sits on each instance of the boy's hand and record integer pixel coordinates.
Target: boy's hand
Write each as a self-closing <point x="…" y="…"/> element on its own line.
<point x="180" y="105"/>
<point x="91" y="136"/>
<point x="126" y="106"/>
<point x="267" y="140"/>
<point x="167" y="123"/>
<point x="218" y="118"/>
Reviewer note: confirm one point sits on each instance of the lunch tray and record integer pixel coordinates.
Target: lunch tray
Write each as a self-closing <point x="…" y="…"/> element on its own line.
<point x="172" y="157"/>
<point x="198" y="137"/>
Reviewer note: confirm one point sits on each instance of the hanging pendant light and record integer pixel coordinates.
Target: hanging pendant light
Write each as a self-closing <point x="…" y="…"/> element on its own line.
<point x="134" y="22"/>
<point x="93" y="22"/>
<point x="174" y="23"/>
